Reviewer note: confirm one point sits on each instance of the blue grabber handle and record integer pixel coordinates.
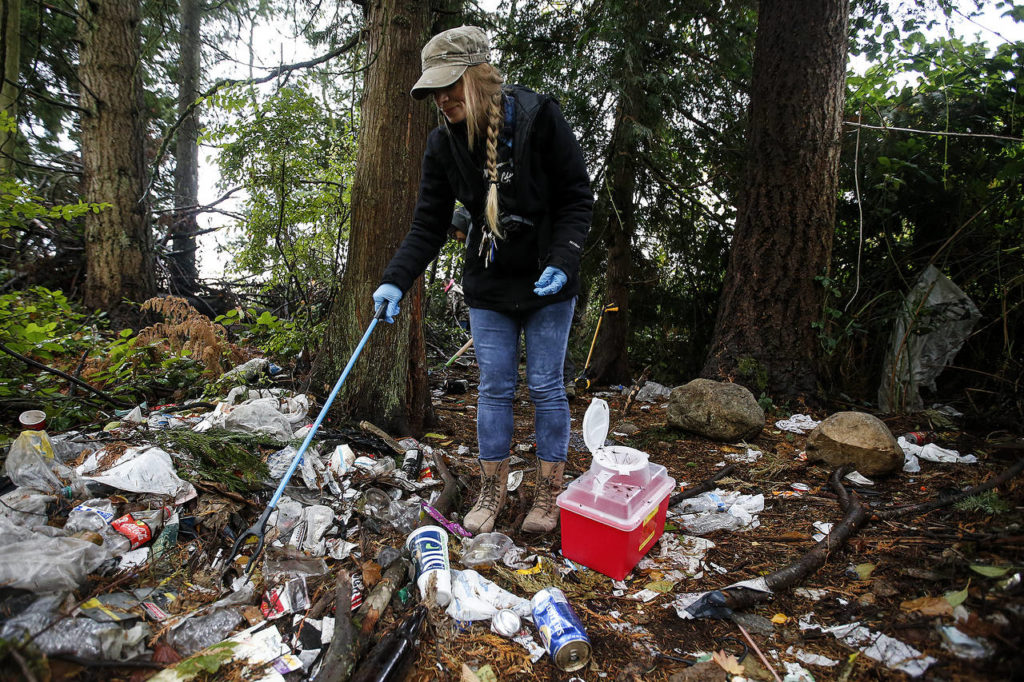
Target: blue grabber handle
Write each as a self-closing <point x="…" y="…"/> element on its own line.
<point x="377" y="317"/>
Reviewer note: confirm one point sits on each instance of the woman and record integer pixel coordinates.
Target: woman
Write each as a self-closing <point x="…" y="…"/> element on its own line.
<point x="509" y="156"/>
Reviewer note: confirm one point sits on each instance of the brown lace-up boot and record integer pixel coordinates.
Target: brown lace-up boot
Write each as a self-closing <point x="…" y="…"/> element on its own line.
<point x="493" y="483"/>
<point x="543" y="516"/>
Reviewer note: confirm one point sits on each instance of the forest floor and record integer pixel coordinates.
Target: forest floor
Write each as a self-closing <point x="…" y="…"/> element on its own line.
<point x="926" y="556"/>
<point x="898" y="578"/>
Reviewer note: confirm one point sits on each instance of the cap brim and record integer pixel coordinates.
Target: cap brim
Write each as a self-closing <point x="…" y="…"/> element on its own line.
<point x="437" y="77"/>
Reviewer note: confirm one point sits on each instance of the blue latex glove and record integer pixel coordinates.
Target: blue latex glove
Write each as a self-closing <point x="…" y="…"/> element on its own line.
<point x="390" y="294"/>
<point x="551" y="281"/>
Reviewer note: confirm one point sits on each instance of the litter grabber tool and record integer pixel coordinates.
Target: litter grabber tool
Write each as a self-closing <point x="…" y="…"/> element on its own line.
<point x="583" y="381"/>
<point x="459" y="352"/>
<point x="259" y="529"/>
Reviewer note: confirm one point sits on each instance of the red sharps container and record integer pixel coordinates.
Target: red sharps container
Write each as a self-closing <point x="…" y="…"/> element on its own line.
<point x="613" y="514"/>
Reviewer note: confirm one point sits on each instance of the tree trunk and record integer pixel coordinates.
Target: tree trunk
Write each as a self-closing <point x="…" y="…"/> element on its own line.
<point x="764" y="336"/>
<point x="609" y="363"/>
<point x="10" y="44"/>
<point x="118" y="244"/>
<point x="182" y="262"/>
<point x="388" y="385"/>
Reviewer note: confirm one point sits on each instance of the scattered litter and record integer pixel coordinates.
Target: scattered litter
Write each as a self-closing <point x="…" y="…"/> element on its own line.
<point x="486" y="548"/>
<point x="719" y="510"/>
<point x="811" y="659"/>
<point x="812" y="593"/>
<point x="857" y="478"/>
<point x="823" y="530"/>
<point x="748" y="457"/>
<point x="964" y="646"/>
<point x="797" y="423"/>
<point x="882" y="648"/>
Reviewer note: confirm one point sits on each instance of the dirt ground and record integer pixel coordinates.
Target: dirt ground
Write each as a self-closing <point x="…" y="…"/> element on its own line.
<point x="924" y="556"/>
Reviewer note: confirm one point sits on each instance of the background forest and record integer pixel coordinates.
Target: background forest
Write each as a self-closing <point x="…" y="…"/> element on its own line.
<point x="751" y="224"/>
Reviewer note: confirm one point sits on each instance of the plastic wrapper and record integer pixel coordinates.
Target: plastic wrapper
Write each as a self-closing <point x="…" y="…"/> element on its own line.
<point x="279" y="462"/>
<point x="55" y="634"/>
<point x="68" y="446"/>
<point x="35" y="561"/>
<point x="30" y="462"/>
<point x="286" y="515"/>
<point x="199" y="632"/>
<point x="474" y="597"/>
<point x="486" y="548"/>
<point x="25" y="506"/>
<point x="318" y="520"/>
<point x="274" y="569"/>
<point x="404" y="516"/>
<point x="142" y="470"/>
<point x="92" y="514"/>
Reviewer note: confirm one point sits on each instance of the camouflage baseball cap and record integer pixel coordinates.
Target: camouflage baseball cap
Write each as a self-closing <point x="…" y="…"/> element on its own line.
<point x="447" y="55"/>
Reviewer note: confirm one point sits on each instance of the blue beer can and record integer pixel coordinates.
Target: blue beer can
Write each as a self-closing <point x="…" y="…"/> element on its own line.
<point x="560" y="630"/>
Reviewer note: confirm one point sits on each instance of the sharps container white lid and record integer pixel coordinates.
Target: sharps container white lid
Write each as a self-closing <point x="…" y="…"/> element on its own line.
<point x="622" y="487"/>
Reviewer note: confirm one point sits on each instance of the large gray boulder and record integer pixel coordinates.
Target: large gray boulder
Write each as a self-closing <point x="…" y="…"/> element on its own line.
<point x="858" y="439"/>
<point x="716" y="410"/>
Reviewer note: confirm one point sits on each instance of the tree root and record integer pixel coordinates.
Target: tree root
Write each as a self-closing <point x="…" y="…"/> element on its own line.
<point x="924" y="507"/>
<point x="857" y="515"/>
<point x="449" y="496"/>
<point x="702" y="487"/>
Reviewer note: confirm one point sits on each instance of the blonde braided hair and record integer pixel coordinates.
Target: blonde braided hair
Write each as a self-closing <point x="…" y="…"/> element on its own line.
<point x="482" y="85"/>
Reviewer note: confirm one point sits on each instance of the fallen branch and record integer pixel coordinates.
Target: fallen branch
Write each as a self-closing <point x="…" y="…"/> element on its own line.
<point x="340" y="660"/>
<point x="63" y="375"/>
<point x="380" y="433"/>
<point x="377" y="602"/>
<point x="856" y="516"/>
<point x="701" y="487"/>
<point x="449" y="493"/>
<point x="925" y="507"/>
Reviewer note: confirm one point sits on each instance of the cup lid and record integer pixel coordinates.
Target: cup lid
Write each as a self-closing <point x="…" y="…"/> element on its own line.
<point x="595" y="425"/>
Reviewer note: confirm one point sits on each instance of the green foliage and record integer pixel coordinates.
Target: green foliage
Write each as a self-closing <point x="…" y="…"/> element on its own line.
<point x="234" y="459"/>
<point x="276" y="337"/>
<point x="294" y="158"/>
<point x="754" y="372"/>
<point x="987" y="502"/>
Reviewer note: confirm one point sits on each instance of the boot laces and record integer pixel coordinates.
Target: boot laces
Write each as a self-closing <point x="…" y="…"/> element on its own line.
<point x="489" y="493"/>
<point x="545" y="495"/>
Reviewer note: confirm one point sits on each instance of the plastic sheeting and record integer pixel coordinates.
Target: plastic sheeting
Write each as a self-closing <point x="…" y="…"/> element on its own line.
<point x="935" y="320"/>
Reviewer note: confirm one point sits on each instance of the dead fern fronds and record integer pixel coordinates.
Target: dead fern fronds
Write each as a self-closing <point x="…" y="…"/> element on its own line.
<point x="186" y="329"/>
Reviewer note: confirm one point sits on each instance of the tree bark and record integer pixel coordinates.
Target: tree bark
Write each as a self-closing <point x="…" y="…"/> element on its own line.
<point x="389" y="384"/>
<point x="186" y="155"/>
<point x="786" y="219"/>
<point x="10" y="45"/>
<point x="118" y="244"/>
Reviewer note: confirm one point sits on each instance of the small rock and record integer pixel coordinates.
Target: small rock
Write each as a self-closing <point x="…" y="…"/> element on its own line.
<point x="627" y="428"/>
<point x="857" y="439"/>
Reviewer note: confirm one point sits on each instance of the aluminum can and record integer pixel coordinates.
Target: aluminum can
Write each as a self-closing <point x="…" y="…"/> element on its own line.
<point x="919" y="437"/>
<point x="506" y="623"/>
<point x="560" y="629"/>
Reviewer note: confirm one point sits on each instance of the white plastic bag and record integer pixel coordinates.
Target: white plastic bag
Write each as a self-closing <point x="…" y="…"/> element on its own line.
<point x="474" y="597"/>
<point x="31" y="560"/>
<point x="145" y="469"/>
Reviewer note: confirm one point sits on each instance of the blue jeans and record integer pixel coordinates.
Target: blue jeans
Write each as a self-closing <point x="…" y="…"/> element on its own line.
<point x="496" y="341"/>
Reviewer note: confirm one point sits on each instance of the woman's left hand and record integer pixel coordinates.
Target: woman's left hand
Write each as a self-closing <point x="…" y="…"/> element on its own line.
<point x="551" y="281"/>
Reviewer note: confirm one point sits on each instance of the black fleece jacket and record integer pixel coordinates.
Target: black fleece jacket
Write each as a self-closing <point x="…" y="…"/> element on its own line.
<point x="545" y="204"/>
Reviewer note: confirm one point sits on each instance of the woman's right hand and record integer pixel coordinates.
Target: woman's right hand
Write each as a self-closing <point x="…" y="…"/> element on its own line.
<point x="390" y="295"/>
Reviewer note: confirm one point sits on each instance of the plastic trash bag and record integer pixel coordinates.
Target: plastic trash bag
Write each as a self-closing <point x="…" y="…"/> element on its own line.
<point x="35" y="561"/>
<point x="30" y="462"/>
<point x="260" y="416"/>
<point x="936" y="319"/>
<point x="142" y="470"/>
